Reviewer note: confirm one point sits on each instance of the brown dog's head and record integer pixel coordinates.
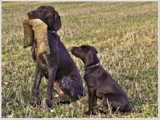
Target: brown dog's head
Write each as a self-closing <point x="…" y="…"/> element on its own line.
<point x="86" y="53"/>
<point x="48" y="15"/>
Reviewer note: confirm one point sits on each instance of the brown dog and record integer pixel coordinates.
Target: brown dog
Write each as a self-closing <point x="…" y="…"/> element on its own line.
<point x="100" y="83"/>
<point x="58" y="66"/>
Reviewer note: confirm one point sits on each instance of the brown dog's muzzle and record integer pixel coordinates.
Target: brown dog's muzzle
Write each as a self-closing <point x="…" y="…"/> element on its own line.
<point x="31" y="15"/>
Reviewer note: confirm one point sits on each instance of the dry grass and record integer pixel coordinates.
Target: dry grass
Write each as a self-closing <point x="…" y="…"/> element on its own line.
<point x="125" y="35"/>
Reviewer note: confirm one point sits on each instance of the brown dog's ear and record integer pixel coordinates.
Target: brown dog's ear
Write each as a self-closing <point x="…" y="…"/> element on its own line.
<point x="89" y="58"/>
<point x="57" y="21"/>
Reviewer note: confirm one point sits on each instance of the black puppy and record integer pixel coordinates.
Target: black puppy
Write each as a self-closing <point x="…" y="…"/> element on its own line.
<point x="100" y="83"/>
<point x="58" y="66"/>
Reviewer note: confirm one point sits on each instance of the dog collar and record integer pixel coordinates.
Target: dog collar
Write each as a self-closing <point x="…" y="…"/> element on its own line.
<point x="49" y="31"/>
<point x="92" y="66"/>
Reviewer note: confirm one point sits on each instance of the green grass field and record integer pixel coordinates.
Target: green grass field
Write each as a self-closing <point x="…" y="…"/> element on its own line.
<point x="125" y="35"/>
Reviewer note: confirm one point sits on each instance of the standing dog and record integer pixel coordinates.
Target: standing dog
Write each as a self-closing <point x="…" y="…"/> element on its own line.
<point x="58" y="66"/>
<point x="100" y="83"/>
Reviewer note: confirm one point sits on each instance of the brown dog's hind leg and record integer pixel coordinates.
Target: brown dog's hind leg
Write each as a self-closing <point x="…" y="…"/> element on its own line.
<point x="58" y="89"/>
<point x="71" y="88"/>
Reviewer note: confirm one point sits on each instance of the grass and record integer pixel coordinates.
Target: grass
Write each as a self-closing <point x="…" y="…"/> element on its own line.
<point x="125" y="35"/>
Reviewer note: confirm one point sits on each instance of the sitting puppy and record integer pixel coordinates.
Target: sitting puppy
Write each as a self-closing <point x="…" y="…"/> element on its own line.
<point x="100" y="83"/>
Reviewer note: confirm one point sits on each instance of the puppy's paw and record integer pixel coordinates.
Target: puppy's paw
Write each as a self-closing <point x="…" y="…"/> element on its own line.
<point x="48" y="102"/>
<point x="89" y="113"/>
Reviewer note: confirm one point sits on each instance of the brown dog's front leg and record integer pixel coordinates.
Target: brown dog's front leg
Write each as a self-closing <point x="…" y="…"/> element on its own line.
<point x="91" y="100"/>
<point x="52" y="75"/>
<point x="35" y="91"/>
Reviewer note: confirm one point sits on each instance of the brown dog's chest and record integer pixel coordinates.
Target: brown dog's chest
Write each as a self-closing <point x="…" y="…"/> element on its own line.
<point x="44" y="61"/>
<point x="58" y="56"/>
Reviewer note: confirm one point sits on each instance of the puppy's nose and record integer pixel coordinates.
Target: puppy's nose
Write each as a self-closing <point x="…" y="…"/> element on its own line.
<point x="29" y="13"/>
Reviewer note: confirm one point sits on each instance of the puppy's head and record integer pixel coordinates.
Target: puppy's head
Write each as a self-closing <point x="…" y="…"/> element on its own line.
<point x="48" y="15"/>
<point x="86" y="53"/>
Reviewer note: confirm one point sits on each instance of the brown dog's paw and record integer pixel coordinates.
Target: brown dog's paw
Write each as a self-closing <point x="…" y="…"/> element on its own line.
<point x="48" y="102"/>
<point x="35" y="103"/>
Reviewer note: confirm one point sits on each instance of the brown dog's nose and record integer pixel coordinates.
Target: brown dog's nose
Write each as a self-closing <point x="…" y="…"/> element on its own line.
<point x="30" y="14"/>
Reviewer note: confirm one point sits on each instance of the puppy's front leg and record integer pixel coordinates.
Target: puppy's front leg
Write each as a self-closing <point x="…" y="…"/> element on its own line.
<point x="36" y="84"/>
<point x="91" y="100"/>
<point x="94" y="101"/>
<point x="52" y="75"/>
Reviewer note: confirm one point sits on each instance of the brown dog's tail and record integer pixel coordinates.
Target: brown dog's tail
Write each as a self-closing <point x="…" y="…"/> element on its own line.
<point x="128" y="108"/>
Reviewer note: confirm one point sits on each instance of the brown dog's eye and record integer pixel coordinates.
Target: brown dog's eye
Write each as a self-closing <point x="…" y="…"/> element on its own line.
<point x="43" y="9"/>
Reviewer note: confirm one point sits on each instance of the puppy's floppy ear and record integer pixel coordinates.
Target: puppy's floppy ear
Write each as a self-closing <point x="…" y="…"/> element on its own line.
<point x="89" y="58"/>
<point x="95" y="50"/>
<point x="57" y="21"/>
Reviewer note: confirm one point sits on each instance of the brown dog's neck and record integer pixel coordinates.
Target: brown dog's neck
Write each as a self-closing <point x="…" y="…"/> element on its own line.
<point x="52" y="31"/>
<point x="52" y="35"/>
<point x="91" y="66"/>
<point x="53" y="40"/>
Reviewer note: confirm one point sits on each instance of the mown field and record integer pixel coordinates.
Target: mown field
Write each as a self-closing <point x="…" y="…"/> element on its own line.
<point x="125" y="35"/>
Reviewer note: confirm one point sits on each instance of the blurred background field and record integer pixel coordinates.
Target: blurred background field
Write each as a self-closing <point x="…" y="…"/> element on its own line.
<point x="125" y="35"/>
